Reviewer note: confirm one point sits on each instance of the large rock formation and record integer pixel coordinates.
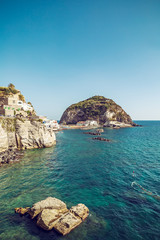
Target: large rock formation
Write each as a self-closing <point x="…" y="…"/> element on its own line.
<point x="24" y="134"/>
<point x="52" y="213"/>
<point x="98" y="108"/>
<point x="48" y="203"/>
<point x="33" y="134"/>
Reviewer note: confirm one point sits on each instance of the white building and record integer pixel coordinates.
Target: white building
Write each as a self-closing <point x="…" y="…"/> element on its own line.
<point x="91" y="123"/>
<point x="25" y="106"/>
<point x="51" y="124"/>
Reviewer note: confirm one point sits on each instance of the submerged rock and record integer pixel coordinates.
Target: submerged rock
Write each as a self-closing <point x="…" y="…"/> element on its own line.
<point x="9" y="156"/>
<point x="92" y="133"/>
<point x="102" y="139"/>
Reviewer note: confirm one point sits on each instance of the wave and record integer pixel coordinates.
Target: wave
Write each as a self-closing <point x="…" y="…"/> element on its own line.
<point x="146" y="191"/>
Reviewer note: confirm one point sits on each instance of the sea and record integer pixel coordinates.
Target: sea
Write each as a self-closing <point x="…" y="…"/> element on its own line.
<point x="99" y="174"/>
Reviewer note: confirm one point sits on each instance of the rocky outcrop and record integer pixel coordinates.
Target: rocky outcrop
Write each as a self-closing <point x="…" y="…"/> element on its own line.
<point x="9" y="156"/>
<point x="33" y="134"/>
<point x="98" y="108"/>
<point x="67" y="223"/>
<point x="7" y="133"/>
<point x="80" y="211"/>
<point x="48" y="203"/>
<point x="47" y="218"/>
<point x="52" y="213"/>
<point x="16" y="134"/>
<point x="24" y="134"/>
<point x="102" y="139"/>
<point x="71" y="219"/>
<point x="22" y="211"/>
<point x="92" y="133"/>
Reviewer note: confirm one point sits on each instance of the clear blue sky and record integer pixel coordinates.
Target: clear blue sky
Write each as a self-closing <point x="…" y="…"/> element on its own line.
<point x="58" y="52"/>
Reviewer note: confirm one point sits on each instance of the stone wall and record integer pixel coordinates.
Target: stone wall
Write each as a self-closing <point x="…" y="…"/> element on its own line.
<point x="7" y="112"/>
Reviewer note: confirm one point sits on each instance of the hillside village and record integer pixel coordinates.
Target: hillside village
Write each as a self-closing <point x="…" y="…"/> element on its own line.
<point x="13" y="104"/>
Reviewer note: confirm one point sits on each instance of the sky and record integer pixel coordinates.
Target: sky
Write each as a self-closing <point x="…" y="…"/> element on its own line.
<point x="59" y="52"/>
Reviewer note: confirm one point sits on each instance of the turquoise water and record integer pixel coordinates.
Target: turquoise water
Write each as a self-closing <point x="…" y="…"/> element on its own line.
<point x="98" y="174"/>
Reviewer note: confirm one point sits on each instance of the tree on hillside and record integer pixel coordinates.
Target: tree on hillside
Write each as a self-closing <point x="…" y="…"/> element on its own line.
<point x="21" y="97"/>
<point x="11" y="85"/>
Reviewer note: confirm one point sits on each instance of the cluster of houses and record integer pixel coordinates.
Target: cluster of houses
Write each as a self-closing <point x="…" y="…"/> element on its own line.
<point x="87" y="123"/>
<point x="11" y="105"/>
<point x="51" y="124"/>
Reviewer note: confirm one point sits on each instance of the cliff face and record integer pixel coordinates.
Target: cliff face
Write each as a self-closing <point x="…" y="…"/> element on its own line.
<point x="103" y="110"/>
<point x="25" y="134"/>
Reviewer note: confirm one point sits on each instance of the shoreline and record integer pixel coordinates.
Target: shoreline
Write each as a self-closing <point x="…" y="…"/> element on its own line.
<point x="11" y="155"/>
<point x="74" y="126"/>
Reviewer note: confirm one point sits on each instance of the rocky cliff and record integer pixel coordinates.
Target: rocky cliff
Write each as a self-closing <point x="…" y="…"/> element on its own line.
<point x="24" y="134"/>
<point x="103" y="110"/>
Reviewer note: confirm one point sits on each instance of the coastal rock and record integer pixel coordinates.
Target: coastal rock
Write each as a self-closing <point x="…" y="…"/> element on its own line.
<point x="98" y="108"/>
<point x="10" y="155"/>
<point x="102" y="139"/>
<point x="3" y="139"/>
<point x="116" y="124"/>
<point x="66" y="223"/>
<point x="33" y="134"/>
<point x="80" y="211"/>
<point x="48" y="203"/>
<point x="53" y="214"/>
<point x="46" y="219"/>
<point x="92" y="133"/>
<point x="22" y="211"/>
<point x="24" y="134"/>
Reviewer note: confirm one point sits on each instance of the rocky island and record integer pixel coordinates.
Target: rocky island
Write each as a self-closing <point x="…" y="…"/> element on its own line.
<point x="96" y="111"/>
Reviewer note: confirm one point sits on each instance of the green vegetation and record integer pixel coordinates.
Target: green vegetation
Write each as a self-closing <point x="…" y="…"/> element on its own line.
<point x="40" y="120"/>
<point x="21" y="98"/>
<point x="8" y="124"/>
<point x="29" y="113"/>
<point x="88" y="102"/>
<point x="4" y="91"/>
<point x="30" y="104"/>
<point x="120" y="116"/>
<point x="95" y="106"/>
<point x="11" y="85"/>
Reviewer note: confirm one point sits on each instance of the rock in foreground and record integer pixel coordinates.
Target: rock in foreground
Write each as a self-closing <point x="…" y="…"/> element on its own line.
<point x="67" y="223"/>
<point x="46" y="219"/>
<point x="80" y="210"/>
<point x="52" y="213"/>
<point x="48" y="203"/>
